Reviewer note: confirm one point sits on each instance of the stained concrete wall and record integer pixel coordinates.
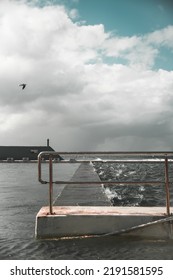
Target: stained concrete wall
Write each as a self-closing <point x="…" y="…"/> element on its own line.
<point x="79" y="221"/>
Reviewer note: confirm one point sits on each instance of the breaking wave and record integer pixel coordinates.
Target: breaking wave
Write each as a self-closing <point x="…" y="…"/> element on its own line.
<point x="137" y="194"/>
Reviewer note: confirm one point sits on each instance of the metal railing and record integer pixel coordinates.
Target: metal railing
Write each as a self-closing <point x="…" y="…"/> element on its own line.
<point x="164" y="158"/>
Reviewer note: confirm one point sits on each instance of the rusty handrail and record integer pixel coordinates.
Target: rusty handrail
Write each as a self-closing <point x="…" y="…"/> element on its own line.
<point x="167" y="186"/>
<point x="53" y="154"/>
<point x="50" y="185"/>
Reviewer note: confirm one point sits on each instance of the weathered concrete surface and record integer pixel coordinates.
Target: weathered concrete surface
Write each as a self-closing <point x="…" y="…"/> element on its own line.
<point x="85" y="220"/>
<point x="83" y="194"/>
<point x="159" y="230"/>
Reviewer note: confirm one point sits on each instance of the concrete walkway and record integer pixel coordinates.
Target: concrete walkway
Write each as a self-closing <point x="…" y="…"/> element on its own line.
<point x="83" y="195"/>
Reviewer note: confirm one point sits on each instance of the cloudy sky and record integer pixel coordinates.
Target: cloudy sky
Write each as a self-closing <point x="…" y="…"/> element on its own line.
<point x="99" y="74"/>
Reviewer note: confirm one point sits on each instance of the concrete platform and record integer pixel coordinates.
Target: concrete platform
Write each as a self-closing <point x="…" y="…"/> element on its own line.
<point x="72" y="221"/>
<point x="99" y="210"/>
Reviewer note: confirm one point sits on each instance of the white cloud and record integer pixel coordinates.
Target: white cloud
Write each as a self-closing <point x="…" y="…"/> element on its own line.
<point x="162" y="37"/>
<point x="73" y="14"/>
<point x="76" y="103"/>
<point x="140" y="51"/>
<point x="116" y="46"/>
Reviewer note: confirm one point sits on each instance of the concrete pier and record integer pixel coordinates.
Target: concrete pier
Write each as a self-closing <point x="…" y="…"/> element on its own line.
<point x="72" y="221"/>
<point x="83" y="210"/>
<point x="88" y="195"/>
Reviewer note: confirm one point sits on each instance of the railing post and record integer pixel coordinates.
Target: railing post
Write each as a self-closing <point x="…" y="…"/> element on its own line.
<point x="167" y="187"/>
<point x="39" y="168"/>
<point x="50" y="184"/>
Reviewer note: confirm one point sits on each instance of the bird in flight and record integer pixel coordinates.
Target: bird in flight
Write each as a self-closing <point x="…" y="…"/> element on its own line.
<point x="22" y="85"/>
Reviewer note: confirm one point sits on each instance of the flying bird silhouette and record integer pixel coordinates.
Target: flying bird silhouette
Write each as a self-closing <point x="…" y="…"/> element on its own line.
<point x="22" y="85"/>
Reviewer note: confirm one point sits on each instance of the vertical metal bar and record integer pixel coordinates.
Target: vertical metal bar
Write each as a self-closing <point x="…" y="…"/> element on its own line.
<point x="50" y="184"/>
<point x="167" y="187"/>
<point x="39" y="168"/>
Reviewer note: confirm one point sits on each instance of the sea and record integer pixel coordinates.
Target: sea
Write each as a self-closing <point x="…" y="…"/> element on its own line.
<point x="22" y="196"/>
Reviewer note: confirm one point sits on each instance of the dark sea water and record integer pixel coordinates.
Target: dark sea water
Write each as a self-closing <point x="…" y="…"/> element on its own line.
<point x="22" y="196"/>
<point x="136" y="195"/>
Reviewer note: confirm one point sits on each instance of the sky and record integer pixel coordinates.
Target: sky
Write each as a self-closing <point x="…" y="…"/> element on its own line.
<point x="99" y="74"/>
